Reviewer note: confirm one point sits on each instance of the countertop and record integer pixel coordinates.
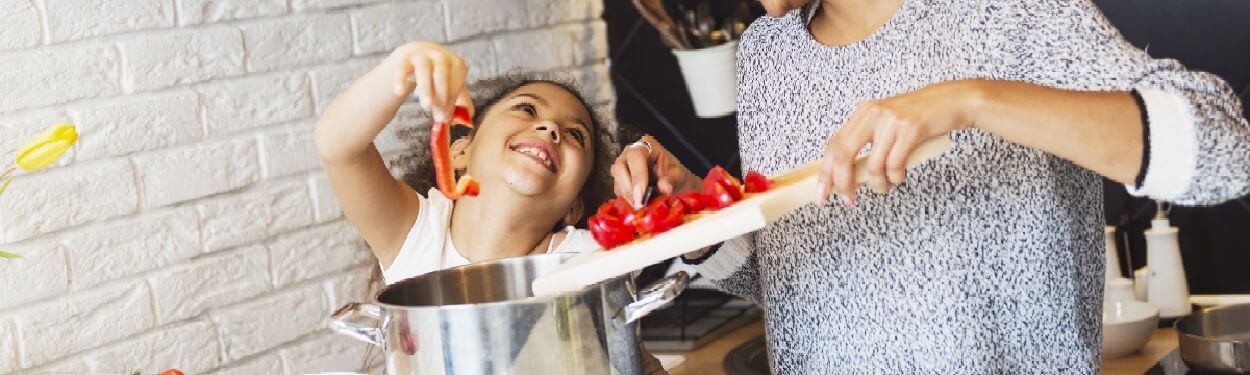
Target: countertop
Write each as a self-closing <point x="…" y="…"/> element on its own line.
<point x="708" y="359"/>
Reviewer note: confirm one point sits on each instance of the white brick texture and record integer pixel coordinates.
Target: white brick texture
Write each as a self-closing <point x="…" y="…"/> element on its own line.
<point x="237" y="105"/>
<point x="236" y="219"/>
<point x="191" y="226"/>
<point x="188" y="172"/>
<point x="102" y="253"/>
<point x="328" y="352"/>
<point x="254" y="326"/>
<point x="57" y="74"/>
<point x="384" y="27"/>
<point x="297" y="41"/>
<point x="78" y="19"/>
<point x="137" y="123"/>
<point x="189" y="290"/>
<point x="191" y="348"/>
<point x="164" y="60"/>
<point x="47" y="202"/>
<point x="316" y="252"/>
<point x="206" y="11"/>
<point x="39" y="274"/>
<point x="21" y="29"/>
<point x="82" y="321"/>
<point x="288" y="151"/>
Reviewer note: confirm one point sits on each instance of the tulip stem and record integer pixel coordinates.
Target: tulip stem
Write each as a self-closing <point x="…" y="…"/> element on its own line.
<point x="8" y="171"/>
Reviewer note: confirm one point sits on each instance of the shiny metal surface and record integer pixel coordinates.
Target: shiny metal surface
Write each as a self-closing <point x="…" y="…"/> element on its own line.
<point x="1216" y="338"/>
<point x="483" y="319"/>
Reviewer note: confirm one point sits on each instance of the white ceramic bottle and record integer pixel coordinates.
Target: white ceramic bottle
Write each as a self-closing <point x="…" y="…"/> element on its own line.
<point x="1167" y="287"/>
<point x="1112" y="257"/>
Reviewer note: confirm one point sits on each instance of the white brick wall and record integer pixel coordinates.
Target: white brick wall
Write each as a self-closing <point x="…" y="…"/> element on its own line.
<point x="191" y="227"/>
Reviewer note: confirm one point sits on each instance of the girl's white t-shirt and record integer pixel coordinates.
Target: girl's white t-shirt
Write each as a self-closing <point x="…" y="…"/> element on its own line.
<point x="428" y="246"/>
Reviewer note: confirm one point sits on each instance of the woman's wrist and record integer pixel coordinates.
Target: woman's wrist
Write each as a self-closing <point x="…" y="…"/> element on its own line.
<point x="977" y="99"/>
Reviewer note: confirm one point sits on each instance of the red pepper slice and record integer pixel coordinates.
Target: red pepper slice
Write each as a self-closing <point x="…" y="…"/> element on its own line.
<point x="440" y="149"/>
<point x="611" y="226"/>
<point x="692" y="201"/>
<point x="610" y="231"/>
<point x="755" y="182"/>
<point x="720" y="189"/>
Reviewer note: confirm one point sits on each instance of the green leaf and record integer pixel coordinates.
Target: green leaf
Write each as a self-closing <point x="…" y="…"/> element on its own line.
<point x="5" y="185"/>
<point x="5" y="254"/>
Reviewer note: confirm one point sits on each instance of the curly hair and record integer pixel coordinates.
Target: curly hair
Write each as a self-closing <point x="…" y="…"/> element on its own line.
<point x="415" y="167"/>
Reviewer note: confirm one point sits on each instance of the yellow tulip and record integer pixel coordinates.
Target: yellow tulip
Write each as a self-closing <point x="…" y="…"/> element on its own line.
<point x="44" y="149"/>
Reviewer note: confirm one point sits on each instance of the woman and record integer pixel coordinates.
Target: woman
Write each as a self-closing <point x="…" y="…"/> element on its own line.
<point x="989" y="257"/>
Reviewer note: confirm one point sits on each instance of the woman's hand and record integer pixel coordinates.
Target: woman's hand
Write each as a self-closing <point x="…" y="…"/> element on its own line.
<point x="894" y="126"/>
<point x="637" y="165"/>
<point x="438" y="75"/>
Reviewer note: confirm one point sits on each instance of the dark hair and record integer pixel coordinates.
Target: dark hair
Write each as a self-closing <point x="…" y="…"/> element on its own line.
<point x="414" y="165"/>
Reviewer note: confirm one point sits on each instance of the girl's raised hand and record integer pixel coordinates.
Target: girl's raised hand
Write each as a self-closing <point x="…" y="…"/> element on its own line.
<point x="436" y="73"/>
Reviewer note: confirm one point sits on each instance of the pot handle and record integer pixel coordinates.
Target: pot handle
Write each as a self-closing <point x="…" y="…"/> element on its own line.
<point x="656" y="296"/>
<point x="360" y="321"/>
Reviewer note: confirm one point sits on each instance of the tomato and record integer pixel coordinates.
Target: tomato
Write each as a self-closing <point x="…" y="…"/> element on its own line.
<point x="755" y="182"/>
<point x="692" y="201"/>
<point x="610" y="231"/>
<point x="172" y="371"/>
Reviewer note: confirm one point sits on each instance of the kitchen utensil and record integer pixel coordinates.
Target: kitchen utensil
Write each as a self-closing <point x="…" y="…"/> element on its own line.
<point x="653" y="11"/>
<point x="1216" y="338"/>
<point x="483" y="319"/>
<point x="739" y="17"/>
<point x="1126" y="327"/>
<point x="791" y="190"/>
<point x="706" y="23"/>
<point x="691" y="25"/>
<point x="1167" y="287"/>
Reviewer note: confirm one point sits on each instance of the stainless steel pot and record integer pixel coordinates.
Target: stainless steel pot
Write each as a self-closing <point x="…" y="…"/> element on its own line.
<point x="1216" y="338"/>
<point x="483" y="319"/>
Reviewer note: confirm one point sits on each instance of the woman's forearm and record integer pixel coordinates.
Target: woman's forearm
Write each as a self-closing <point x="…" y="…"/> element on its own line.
<point x="1101" y="131"/>
<point x="346" y="131"/>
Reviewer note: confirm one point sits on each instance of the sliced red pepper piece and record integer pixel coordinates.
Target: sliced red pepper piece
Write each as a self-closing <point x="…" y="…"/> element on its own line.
<point x="610" y="231"/>
<point x="756" y="182"/>
<point x="440" y="150"/>
<point x="692" y="201"/>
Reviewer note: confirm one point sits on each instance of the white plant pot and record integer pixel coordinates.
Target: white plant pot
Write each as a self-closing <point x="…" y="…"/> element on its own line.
<point x="712" y="79"/>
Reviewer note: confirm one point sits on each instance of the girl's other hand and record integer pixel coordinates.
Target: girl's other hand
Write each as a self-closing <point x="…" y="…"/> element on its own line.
<point x="637" y="165"/>
<point x="436" y="73"/>
<point x="894" y="126"/>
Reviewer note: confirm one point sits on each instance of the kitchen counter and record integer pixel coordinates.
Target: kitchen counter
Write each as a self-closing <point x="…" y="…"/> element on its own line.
<point x="708" y="360"/>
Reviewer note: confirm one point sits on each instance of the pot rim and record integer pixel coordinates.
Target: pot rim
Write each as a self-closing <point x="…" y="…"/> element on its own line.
<point x="1186" y="335"/>
<point x="471" y="306"/>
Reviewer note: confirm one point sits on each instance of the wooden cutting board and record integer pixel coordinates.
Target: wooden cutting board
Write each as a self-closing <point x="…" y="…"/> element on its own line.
<point x="792" y="189"/>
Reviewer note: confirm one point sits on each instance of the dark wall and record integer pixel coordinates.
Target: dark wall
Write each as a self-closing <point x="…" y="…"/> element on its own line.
<point x="1205" y="35"/>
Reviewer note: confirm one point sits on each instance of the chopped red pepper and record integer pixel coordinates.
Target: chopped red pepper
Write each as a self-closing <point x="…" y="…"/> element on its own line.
<point x="172" y="371"/>
<point x="610" y="231"/>
<point x="693" y="201"/>
<point x="440" y="149"/>
<point x="755" y="182"/>
<point x="720" y="189"/>
<point x="611" y="224"/>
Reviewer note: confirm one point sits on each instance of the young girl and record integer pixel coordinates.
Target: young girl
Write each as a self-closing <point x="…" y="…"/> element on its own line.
<point x="534" y="149"/>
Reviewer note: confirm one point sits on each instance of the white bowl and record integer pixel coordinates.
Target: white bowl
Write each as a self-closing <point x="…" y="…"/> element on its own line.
<point x="1126" y="327"/>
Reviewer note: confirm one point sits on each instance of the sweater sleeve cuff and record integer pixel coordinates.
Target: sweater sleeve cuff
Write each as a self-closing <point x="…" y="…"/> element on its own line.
<point x="727" y="260"/>
<point x="1173" y="146"/>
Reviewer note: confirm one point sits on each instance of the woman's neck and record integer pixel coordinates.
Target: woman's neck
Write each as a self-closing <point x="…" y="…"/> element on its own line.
<point x="494" y="226"/>
<point x="842" y="22"/>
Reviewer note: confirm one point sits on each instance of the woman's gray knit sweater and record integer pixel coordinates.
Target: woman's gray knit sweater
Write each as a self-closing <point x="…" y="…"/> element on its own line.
<point x="988" y="259"/>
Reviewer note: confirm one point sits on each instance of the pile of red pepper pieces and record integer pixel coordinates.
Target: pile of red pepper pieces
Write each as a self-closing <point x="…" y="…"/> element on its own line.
<point x="617" y="222"/>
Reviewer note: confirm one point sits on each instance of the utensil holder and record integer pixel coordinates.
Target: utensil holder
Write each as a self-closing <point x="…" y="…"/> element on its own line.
<point x="712" y="79"/>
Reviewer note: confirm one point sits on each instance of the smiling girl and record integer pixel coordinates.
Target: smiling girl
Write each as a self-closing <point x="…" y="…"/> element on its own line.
<point x="533" y="148"/>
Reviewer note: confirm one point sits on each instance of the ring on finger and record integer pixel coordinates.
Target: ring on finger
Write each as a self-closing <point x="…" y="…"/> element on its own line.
<point x="642" y="143"/>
